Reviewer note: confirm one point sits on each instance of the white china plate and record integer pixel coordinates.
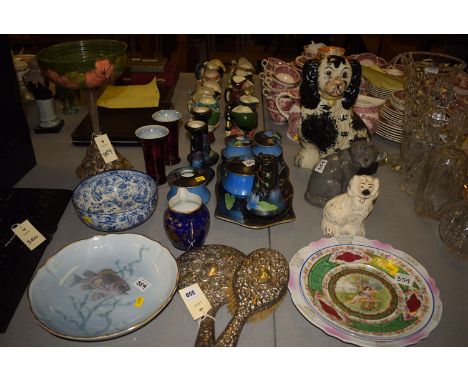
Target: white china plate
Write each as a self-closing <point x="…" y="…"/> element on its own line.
<point x="378" y="88"/>
<point x="399" y="107"/>
<point x="388" y="135"/>
<point x="391" y="123"/>
<point x="378" y="94"/>
<point x="393" y="110"/>
<point x="390" y="129"/>
<point x="103" y="287"/>
<point x="382" y="92"/>
<point x="389" y="112"/>
<point x="390" y="138"/>
<point x="364" y="292"/>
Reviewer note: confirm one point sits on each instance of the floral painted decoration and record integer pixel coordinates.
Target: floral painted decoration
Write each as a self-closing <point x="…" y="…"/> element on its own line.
<point x="104" y="70"/>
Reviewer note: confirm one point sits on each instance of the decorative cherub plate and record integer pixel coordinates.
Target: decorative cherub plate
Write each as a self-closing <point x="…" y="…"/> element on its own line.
<point x="364" y="292"/>
<point x="103" y="287"/>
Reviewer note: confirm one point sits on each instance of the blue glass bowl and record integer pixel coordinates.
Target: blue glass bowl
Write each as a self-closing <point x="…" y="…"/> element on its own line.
<point x="115" y="200"/>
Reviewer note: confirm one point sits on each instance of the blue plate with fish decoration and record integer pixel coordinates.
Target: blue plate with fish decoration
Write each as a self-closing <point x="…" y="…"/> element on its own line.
<point x="103" y="287"/>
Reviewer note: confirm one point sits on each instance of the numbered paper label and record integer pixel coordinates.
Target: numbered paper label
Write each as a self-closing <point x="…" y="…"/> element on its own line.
<point x="321" y="166"/>
<point x="404" y="279"/>
<point x="249" y="162"/>
<point x="28" y="234"/>
<point x="142" y="284"/>
<point x="195" y="300"/>
<point x="105" y="148"/>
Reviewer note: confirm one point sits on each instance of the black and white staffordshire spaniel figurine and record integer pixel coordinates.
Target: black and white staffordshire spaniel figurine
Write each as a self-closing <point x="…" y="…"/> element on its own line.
<point x="329" y="89"/>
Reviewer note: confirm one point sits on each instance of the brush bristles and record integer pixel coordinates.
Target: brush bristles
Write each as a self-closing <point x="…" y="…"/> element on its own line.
<point x="257" y="316"/>
<point x="264" y="313"/>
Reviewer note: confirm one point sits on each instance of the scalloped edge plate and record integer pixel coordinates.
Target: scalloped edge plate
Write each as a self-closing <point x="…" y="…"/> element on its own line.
<point x="89" y="290"/>
<point x="333" y="327"/>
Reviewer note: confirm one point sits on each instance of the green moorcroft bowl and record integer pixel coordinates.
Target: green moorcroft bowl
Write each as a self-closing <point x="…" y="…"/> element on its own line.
<point x="83" y="64"/>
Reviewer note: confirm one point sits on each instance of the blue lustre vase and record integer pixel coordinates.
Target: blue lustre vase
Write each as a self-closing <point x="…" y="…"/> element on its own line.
<point x="267" y="142"/>
<point x="266" y="198"/>
<point x="237" y="146"/>
<point x="186" y="220"/>
<point x="201" y="155"/>
<point x="237" y="177"/>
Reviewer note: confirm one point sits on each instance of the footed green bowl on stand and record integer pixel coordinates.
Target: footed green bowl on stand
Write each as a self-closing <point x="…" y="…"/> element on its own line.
<point x="83" y="64"/>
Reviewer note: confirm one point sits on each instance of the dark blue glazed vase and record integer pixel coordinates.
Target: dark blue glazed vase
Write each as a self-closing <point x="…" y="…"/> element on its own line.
<point x="186" y="220"/>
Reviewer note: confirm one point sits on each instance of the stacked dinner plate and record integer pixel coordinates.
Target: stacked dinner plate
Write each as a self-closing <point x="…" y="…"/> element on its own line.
<point x="378" y="91"/>
<point x="391" y="114"/>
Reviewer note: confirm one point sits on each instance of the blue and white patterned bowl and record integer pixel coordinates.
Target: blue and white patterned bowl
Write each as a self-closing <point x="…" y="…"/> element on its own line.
<point x="115" y="200"/>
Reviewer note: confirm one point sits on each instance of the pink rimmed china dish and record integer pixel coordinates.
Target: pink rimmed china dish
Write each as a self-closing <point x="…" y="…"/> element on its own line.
<point x="364" y="292"/>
